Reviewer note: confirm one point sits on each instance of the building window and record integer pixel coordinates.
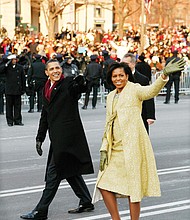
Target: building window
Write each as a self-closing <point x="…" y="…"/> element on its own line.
<point x="97" y="12"/>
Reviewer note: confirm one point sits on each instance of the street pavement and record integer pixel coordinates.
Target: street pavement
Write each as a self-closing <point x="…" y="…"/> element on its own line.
<point x="22" y="170"/>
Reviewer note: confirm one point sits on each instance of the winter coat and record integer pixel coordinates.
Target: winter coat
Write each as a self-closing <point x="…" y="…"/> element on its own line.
<point x="93" y="72"/>
<point x="15" y="81"/>
<point x="61" y="118"/>
<point x="139" y="158"/>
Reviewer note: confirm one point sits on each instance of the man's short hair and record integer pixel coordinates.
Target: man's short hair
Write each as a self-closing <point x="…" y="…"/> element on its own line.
<point x="51" y="61"/>
<point x="132" y="56"/>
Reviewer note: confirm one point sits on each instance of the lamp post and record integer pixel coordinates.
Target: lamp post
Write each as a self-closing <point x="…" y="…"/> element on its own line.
<point x="142" y="21"/>
<point x="0" y="16"/>
<point x="86" y="14"/>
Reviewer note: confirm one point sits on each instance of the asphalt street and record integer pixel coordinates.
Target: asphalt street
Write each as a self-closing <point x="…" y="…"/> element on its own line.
<point x="22" y="170"/>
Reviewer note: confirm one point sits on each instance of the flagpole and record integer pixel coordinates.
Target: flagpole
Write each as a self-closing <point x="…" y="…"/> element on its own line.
<point x="142" y="43"/>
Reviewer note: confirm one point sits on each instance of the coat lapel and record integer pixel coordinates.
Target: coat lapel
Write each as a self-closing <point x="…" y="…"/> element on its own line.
<point x="53" y="94"/>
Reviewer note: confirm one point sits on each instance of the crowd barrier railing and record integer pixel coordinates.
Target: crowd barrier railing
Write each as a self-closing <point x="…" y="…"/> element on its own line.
<point x="184" y="85"/>
<point x="184" y="88"/>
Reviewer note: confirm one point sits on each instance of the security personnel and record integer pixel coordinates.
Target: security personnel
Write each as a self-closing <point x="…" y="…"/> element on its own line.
<point x="107" y="62"/>
<point x="69" y="69"/>
<point x="93" y="74"/>
<point x="36" y="81"/>
<point x="2" y="86"/>
<point x="14" y="88"/>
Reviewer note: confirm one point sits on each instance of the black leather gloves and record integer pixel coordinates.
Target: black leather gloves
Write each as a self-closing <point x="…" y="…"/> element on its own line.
<point x="7" y="63"/>
<point x="39" y="147"/>
<point x="79" y="80"/>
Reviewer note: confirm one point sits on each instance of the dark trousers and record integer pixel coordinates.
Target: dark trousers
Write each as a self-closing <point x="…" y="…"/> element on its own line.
<point x="175" y="80"/>
<point x="39" y="100"/>
<point x="94" y="88"/>
<point x="1" y="103"/>
<point x="13" y="109"/>
<point x="38" y="88"/>
<point x="2" y="92"/>
<point x="52" y="183"/>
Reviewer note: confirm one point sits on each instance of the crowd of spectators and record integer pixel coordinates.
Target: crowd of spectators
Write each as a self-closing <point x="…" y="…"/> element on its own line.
<point x="80" y="46"/>
<point x="159" y="44"/>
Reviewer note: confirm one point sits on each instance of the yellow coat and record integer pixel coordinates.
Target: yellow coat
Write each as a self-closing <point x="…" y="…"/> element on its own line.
<point x="142" y="178"/>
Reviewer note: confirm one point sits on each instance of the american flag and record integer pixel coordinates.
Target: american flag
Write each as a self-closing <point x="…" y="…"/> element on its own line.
<point x="148" y="5"/>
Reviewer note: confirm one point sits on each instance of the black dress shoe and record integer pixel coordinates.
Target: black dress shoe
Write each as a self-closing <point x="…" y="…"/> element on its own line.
<point x="36" y="215"/>
<point x="31" y="111"/>
<point x="81" y="209"/>
<point x="176" y="102"/>
<point x="84" y="107"/>
<point x="20" y="124"/>
<point x="10" y="124"/>
<point x="166" y="102"/>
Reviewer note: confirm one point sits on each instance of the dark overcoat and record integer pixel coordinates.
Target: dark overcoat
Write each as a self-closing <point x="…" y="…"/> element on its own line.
<point x="61" y="118"/>
<point x="15" y="81"/>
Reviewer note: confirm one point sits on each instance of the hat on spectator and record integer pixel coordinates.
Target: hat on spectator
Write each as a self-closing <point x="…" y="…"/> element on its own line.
<point x="12" y="56"/>
<point x="37" y="56"/>
<point x="59" y="56"/>
<point x="141" y="58"/>
<point x="68" y="57"/>
<point x="104" y="52"/>
<point x="93" y="57"/>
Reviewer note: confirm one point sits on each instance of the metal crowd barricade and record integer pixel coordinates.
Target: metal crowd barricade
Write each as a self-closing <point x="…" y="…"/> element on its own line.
<point x="184" y="88"/>
<point x="184" y="85"/>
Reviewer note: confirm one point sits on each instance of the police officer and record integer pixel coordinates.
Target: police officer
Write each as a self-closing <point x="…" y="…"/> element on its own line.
<point x="93" y="74"/>
<point x="107" y="62"/>
<point x="2" y="86"/>
<point x="69" y="69"/>
<point x="14" y="88"/>
<point x="36" y="81"/>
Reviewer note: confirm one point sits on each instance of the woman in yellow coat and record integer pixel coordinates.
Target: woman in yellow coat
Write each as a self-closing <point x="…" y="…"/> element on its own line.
<point x="127" y="163"/>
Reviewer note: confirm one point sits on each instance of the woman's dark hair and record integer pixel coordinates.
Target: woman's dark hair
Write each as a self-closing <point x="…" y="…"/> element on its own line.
<point x="121" y="65"/>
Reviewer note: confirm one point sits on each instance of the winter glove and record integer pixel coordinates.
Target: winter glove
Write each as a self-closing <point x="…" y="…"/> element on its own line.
<point x="39" y="147"/>
<point x="79" y="80"/>
<point x="8" y="63"/>
<point x="103" y="159"/>
<point x="174" y="67"/>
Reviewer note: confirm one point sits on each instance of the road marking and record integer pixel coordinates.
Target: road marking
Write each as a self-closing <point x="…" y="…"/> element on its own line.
<point x="18" y="137"/>
<point x="90" y="181"/>
<point x="164" y="208"/>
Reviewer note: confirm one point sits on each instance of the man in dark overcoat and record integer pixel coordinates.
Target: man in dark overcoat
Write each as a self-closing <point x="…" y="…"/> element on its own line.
<point x="36" y="81"/>
<point x="107" y="62"/>
<point x="2" y="85"/>
<point x="14" y="88"/>
<point x="148" y="106"/>
<point x="69" y="155"/>
<point x="93" y="74"/>
<point x="143" y="67"/>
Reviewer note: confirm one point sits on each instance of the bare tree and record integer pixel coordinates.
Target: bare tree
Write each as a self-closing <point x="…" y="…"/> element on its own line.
<point x="165" y="11"/>
<point x="122" y="9"/>
<point x="51" y="9"/>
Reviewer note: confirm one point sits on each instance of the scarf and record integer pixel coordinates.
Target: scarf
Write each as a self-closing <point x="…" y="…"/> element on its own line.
<point x="49" y="88"/>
